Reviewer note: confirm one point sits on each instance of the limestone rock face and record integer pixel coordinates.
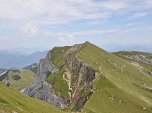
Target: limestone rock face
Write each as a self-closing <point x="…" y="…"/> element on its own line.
<point x="78" y="75"/>
<point x="45" y="66"/>
<point x="41" y="89"/>
<point x="82" y="76"/>
<point x="140" y="58"/>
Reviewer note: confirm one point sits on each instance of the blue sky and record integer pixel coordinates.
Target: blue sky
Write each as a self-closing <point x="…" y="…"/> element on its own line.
<point x="47" y="23"/>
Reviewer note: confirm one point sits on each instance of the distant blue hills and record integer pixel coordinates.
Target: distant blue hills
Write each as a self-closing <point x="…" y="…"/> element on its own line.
<point x="10" y="59"/>
<point x="22" y="57"/>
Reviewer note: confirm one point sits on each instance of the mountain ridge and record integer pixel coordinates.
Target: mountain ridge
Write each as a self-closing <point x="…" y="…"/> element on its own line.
<point x="71" y="60"/>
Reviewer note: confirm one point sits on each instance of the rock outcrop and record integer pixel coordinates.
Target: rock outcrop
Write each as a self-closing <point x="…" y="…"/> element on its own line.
<point x="81" y="76"/>
<point x="41" y="89"/>
<point x="140" y="58"/>
<point x="78" y="75"/>
<point x="45" y="66"/>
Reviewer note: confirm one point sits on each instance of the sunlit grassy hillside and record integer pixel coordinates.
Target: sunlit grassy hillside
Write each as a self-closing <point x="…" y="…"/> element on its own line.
<point x="12" y="101"/>
<point x="118" y="88"/>
<point x="20" y="78"/>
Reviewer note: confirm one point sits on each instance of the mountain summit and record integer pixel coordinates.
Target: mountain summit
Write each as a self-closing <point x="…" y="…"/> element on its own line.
<point x="86" y="78"/>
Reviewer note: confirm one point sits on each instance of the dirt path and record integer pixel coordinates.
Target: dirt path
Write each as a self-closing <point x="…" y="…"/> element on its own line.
<point x="68" y="80"/>
<point x="116" y="65"/>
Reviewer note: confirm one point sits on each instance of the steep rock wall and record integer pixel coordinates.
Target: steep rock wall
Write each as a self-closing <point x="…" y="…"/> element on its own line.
<point x="43" y="90"/>
<point x="81" y="81"/>
<point x="78" y="75"/>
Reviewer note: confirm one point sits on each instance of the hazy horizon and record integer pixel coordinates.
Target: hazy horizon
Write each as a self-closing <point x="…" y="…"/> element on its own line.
<point x="108" y="47"/>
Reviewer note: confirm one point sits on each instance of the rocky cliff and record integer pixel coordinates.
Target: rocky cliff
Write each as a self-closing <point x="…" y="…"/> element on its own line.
<point x="80" y="77"/>
<point x="137" y="56"/>
<point x="41" y="89"/>
<point x="76" y="74"/>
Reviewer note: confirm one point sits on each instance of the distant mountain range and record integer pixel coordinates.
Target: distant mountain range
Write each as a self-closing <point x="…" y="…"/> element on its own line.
<point x="18" y="60"/>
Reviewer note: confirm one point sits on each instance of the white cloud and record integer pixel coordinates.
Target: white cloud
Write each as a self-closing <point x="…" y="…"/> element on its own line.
<point x="129" y="24"/>
<point x="31" y="14"/>
<point x="148" y="3"/>
<point x="57" y="11"/>
<point x="20" y="9"/>
<point x="93" y="32"/>
<point x="62" y="11"/>
<point x="30" y="29"/>
<point x="114" y="4"/>
<point x="139" y="15"/>
<point x="67" y="38"/>
<point x="70" y="37"/>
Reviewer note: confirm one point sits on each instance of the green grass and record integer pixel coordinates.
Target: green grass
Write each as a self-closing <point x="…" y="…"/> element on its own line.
<point x="120" y="87"/>
<point x="147" y="68"/>
<point x="110" y="99"/>
<point x="58" y="55"/>
<point x="12" y="101"/>
<point x="147" y="55"/>
<point x="123" y="80"/>
<point x="27" y="78"/>
<point x="59" y="84"/>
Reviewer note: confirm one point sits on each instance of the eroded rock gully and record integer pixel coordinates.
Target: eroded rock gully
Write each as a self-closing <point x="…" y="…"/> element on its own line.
<point x="78" y="75"/>
<point x="81" y="76"/>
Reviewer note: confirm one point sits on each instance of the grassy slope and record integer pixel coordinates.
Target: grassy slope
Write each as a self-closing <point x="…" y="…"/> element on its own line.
<point x="59" y="85"/>
<point x="116" y="90"/>
<point x="58" y="54"/>
<point x="27" y="78"/>
<point x="148" y="55"/>
<point x="57" y="57"/>
<point x="147" y="68"/>
<point x="118" y="81"/>
<point x="12" y="101"/>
